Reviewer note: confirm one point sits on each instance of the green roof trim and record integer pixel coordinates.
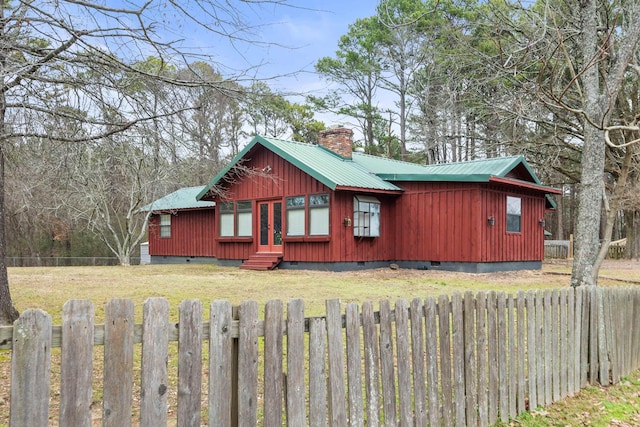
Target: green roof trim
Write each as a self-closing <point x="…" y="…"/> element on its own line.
<point x="184" y="198"/>
<point x="319" y="162"/>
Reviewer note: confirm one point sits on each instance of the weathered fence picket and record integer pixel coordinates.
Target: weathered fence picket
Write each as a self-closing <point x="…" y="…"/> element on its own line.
<point x="418" y="359"/>
<point x="483" y="381"/>
<point x="76" y="363"/>
<point x="30" y="370"/>
<point x="273" y="373"/>
<point x="296" y="412"/>
<point x="189" y="364"/>
<point x="154" y="379"/>
<point x="117" y="388"/>
<point x="467" y="360"/>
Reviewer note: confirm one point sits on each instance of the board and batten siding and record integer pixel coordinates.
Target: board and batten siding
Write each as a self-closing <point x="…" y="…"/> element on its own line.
<point x="191" y="234"/>
<point x="287" y="180"/>
<point x="436" y="222"/>
<point x="502" y="246"/>
<point x="449" y="222"/>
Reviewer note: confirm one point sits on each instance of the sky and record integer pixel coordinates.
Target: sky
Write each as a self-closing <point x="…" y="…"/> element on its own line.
<point x="290" y="41"/>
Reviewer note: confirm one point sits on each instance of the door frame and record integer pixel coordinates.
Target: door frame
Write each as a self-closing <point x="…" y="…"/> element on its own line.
<point x="273" y="243"/>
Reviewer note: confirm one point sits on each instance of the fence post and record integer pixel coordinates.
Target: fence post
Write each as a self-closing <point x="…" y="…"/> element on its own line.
<point x="31" y="370"/>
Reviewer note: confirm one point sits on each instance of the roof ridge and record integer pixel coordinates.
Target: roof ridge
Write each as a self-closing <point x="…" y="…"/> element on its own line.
<point x="488" y="159"/>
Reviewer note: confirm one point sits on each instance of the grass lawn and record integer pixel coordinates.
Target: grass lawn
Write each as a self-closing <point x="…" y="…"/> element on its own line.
<point x="50" y="288"/>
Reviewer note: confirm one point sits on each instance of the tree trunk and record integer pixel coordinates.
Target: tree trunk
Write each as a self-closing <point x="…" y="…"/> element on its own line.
<point x="612" y="211"/>
<point x="8" y="313"/>
<point x="593" y="154"/>
<point x="559" y="217"/>
<point x="632" y="222"/>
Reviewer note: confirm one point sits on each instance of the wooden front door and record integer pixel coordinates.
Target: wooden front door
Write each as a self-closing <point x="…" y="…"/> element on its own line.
<point x="270" y="238"/>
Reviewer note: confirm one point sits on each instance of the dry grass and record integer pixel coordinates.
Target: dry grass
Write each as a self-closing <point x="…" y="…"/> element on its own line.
<point x="50" y="288"/>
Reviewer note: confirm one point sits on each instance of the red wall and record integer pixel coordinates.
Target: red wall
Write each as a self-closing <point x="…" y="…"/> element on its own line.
<point x="448" y="222"/>
<point x="191" y="234"/>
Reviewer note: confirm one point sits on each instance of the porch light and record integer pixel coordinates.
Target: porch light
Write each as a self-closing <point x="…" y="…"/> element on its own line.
<point x="347" y="221"/>
<point x="491" y="221"/>
<point x="542" y="223"/>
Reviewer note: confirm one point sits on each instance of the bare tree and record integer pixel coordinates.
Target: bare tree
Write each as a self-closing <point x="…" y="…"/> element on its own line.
<point x="50" y="51"/>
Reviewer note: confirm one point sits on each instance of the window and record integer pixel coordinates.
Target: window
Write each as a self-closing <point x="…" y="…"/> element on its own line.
<point x="514" y="214"/>
<point x="236" y="220"/>
<point x="245" y="219"/>
<point x="165" y="225"/>
<point x="319" y="215"/>
<point x="366" y="216"/>
<point x="227" y="225"/>
<point x="295" y="216"/>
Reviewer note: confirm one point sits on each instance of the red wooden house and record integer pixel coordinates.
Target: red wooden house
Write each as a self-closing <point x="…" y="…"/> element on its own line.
<point x="322" y="206"/>
<point x="180" y="228"/>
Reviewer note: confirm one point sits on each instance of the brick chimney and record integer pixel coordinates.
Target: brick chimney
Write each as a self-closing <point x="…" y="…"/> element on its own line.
<point x="339" y="140"/>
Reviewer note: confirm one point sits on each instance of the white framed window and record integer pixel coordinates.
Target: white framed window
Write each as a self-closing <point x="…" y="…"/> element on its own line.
<point x="319" y="215"/>
<point x="244" y="217"/>
<point x="366" y="216"/>
<point x="227" y="223"/>
<point x="295" y="216"/>
<point x="514" y="214"/>
<point x="165" y="226"/>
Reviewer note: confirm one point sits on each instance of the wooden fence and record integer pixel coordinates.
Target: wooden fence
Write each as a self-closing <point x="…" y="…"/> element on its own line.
<point x="461" y="360"/>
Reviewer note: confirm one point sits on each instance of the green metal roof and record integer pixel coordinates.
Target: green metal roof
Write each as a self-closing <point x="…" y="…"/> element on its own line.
<point x="472" y="171"/>
<point x="184" y="198"/>
<point x="319" y="162"/>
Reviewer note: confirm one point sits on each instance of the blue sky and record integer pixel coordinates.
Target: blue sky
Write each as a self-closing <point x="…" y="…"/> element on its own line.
<point x="294" y="38"/>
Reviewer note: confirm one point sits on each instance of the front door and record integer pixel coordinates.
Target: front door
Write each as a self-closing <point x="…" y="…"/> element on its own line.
<point x="270" y="227"/>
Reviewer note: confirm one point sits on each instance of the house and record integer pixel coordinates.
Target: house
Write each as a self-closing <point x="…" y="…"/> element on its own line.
<point x="322" y="206"/>
<point x="180" y="228"/>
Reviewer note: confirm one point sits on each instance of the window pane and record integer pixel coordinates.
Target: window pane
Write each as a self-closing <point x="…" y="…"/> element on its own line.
<point x="514" y="214"/>
<point x="245" y="224"/>
<point x="513" y="223"/>
<point x="319" y="222"/>
<point x="226" y="225"/>
<point x="226" y="207"/>
<point x="295" y="202"/>
<point x="295" y="222"/>
<point x="319" y="200"/>
<point x="243" y="206"/>
<point x="374" y="223"/>
<point x="366" y="216"/>
<point x="165" y="225"/>
<point x="514" y="205"/>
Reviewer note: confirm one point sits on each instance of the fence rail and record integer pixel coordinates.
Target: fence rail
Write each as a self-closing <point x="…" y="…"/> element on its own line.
<point x="65" y="261"/>
<point x="460" y="360"/>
